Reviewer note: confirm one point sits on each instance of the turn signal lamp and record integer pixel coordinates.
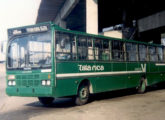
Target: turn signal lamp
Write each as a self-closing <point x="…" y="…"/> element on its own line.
<point x="49" y="76"/>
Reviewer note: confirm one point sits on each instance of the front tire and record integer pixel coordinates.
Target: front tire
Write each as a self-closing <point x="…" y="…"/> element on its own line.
<point x="46" y="101"/>
<point x="83" y="95"/>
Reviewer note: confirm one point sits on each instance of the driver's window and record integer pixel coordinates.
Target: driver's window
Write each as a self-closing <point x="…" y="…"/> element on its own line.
<point x="65" y="46"/>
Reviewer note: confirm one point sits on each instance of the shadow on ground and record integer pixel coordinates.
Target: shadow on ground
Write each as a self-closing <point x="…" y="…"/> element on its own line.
<point x="36" y="108"/>
<point x="69" y="102"/>
<point x="58" y="103"/>
<point x="61" y="104"/>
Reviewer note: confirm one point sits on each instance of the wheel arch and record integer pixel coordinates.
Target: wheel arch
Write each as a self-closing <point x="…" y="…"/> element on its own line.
<point x="86" y="82"/>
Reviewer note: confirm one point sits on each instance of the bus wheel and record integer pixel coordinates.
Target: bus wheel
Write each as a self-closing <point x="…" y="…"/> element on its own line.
<point x="46" y="100"/>
<point x="83" y="95"/>
<point x="142" y="86"/>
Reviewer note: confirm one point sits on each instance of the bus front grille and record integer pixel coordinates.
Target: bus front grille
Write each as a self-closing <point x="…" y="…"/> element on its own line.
<point x="27" y="80"/>
<point x="36" y="76"/>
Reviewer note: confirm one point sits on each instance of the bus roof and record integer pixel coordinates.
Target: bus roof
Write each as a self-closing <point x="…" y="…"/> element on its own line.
<point x="56" y="27"/>
<point x="102" y="36"/>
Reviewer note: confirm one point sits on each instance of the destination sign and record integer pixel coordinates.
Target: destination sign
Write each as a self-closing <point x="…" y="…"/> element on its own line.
<point x="31" y="29"/>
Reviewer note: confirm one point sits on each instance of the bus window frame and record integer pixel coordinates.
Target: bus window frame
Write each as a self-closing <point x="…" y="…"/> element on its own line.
<point x="110" y="40"/>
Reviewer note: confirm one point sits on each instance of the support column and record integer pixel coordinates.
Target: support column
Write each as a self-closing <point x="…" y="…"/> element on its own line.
<point x="64" y="12"/>
<point x="92" y="16"/>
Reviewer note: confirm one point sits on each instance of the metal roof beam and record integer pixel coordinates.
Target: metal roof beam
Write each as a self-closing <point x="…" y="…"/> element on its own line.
<point x="152" y="22"/>
<point x="65" y="10"/>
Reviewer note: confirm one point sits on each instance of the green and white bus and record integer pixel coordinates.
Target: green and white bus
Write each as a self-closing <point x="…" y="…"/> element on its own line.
<point x="48" y="62"/>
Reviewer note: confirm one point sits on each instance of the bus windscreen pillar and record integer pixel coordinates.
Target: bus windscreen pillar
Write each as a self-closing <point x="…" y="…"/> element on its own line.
<point x="92" y="16"/>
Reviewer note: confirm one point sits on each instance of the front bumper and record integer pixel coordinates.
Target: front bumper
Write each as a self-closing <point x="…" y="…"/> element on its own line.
<point x="30" y="91"/>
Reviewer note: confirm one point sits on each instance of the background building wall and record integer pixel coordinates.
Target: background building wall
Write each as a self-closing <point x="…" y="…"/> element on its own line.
<point x="92" y="16"/>
<point x="3" y="45"/>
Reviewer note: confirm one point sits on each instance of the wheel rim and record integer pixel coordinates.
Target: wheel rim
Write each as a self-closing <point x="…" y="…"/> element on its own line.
<point x="84" y="93"/>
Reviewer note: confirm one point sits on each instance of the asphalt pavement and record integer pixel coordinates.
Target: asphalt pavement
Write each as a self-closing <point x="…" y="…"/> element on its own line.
<point x="118" y="105"/>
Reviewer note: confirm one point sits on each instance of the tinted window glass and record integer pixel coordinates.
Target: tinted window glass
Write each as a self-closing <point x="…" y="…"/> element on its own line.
<point x="131" y="51"/>
<point x="152" y="53"/>
<point x="160" y="54"/>
<point x="142" y="53"/>
<point x="82" y="48"/>
<point x="90" y="49"/>
<point x="102" y="51"/>
<point x="32" y="51"/>
<point x="117" y="50"/>
<point x="65" y="46"/>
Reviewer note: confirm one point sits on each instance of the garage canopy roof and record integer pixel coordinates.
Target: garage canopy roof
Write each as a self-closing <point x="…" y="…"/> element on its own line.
<point x="110" y="11"/>
<point x="48" y="10"/>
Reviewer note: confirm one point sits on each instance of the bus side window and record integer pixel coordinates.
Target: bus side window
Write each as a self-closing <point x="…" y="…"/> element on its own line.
<point x="74" y="49"/>
<point x="142" y="53"/>
<point x="117" y="50"/>
<point x="98" y="49"/>
<point x="160" y="54"/>
<point x="106" y="50"/>
<point x="82" y="48"/>
<point x="131" y="52"/>
<point x="63" y="46"/>
<point x="90" y="49"/>
<point x="102" y="51"/>
<point x="152" y="53"/>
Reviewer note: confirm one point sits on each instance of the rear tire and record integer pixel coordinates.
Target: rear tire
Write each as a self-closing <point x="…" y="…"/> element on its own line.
<point x="83" y="95"/>
<point x="142" y="86"/>
<point x="46" y="101"/>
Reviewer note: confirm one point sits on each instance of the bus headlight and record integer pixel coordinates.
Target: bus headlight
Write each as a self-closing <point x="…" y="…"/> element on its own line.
<point x="14" y="83"/>
<point x="11" y="83"/>
<point x="46" y="82"/>
<point x="43" y="82"/>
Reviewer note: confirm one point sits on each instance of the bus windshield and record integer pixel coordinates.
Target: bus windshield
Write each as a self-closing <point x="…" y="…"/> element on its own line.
<point x="30" y="51"/>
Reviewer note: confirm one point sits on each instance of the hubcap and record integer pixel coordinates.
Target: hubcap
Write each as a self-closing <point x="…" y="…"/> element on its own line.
<point x="84" y="93"/>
